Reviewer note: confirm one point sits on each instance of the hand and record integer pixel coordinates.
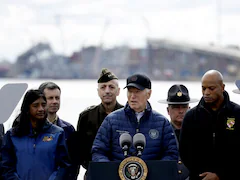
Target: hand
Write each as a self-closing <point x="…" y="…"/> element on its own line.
<point x="209" y="176"/>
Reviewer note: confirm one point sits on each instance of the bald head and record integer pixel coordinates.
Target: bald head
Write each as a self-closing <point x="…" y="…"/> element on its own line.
<point x="213" y="75"/>
<point x="213" y="88"/>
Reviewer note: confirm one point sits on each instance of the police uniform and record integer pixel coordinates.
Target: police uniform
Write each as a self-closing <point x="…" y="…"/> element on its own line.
<point x="178" y="95"/>
<point x="183" y="172"/>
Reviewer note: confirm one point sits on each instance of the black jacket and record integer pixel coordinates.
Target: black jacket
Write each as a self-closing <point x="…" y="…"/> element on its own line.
<point x="88" y="123"/>
<point x="210" y="142"/>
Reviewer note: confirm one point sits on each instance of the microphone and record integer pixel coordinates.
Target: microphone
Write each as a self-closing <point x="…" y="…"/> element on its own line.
<point x="139" y="142"/>
<point x="125" y="142"/>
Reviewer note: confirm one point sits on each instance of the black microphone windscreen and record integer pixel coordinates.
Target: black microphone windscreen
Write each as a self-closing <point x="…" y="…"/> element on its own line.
<point x="125" y="139"/>
<point x="139" y="139"/>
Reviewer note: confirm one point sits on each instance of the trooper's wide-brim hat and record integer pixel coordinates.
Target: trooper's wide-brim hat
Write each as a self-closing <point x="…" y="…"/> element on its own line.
<point x="237" y="82"/>
<point x="178" y="94"/>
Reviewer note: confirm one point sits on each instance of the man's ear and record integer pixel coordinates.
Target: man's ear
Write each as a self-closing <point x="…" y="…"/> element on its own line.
<point x="223" y="87"/>
<point x="149" y="93"/>
<point x="168" y="110"/>
<point x="118" y="92"/>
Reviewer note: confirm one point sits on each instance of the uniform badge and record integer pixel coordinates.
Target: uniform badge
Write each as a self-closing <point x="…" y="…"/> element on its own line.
<point x="230" y="123"/>
<point x="153" y="133"/>
<point x="47" y="138"/>
<point x="179" y="94"/>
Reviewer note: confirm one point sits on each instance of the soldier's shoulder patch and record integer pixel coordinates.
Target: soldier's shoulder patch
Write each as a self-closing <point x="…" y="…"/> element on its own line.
<point x="88" y="109"/>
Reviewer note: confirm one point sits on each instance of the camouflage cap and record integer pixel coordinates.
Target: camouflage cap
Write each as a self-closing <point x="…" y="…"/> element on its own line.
<point x="106" y="76"/>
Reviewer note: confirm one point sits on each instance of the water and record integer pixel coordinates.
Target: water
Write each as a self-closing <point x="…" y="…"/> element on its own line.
<point x="79" y="94"/>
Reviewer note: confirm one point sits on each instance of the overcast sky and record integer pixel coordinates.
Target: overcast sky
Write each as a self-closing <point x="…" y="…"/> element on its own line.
<point x="69" y="25"/>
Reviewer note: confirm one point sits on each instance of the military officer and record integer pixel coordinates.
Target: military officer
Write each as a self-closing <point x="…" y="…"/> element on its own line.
<point x="90" y="119"/>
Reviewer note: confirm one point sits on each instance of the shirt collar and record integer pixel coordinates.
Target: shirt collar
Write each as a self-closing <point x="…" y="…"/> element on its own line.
<point x="55" y="120"/>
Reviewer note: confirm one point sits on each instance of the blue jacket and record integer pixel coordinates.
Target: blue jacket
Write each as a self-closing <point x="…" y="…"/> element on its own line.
<point x="41" y="157"/>
<point x="73" y="169"/>
<point x="67" y="127"/>
<point x="160" y="139"/>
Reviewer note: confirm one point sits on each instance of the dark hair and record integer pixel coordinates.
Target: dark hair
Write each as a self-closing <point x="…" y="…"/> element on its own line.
<point x="48" y="85"/>
<point x="21" y="125"/>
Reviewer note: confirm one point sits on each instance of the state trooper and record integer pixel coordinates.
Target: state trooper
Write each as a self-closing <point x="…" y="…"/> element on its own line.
<point x="178" y="103"/>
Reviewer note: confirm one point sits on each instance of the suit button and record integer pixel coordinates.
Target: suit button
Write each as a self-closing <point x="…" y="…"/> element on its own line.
<point x="179" y="172"/>
<point x="179" y="162"/>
